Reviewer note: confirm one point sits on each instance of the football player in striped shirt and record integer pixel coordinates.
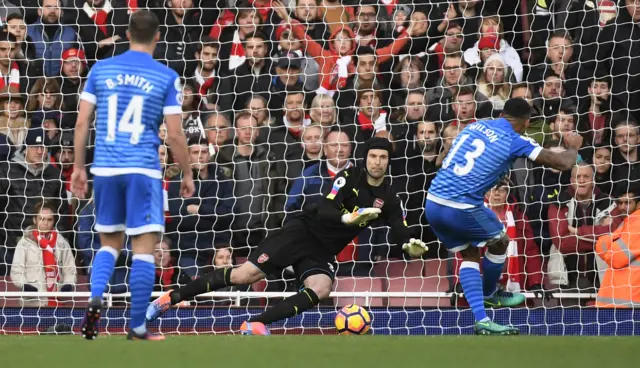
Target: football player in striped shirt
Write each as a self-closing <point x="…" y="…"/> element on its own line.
<point x="478" y="158"/>
<point x="131" y="95"/>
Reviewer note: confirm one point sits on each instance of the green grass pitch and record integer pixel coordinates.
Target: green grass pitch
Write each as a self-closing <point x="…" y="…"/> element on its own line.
<point x="320" y="351"/>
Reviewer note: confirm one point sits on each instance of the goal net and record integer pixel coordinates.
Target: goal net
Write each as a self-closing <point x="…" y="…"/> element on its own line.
<point x="277" y="99"/>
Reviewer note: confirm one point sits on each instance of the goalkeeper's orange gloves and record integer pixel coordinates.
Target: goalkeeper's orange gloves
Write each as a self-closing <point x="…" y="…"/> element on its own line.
<point x="361" y="216"/>
<point x="415" y="248"/>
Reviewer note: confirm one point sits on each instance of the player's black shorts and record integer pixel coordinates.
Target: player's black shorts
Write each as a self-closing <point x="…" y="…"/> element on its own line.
<point x="293" y="245"/>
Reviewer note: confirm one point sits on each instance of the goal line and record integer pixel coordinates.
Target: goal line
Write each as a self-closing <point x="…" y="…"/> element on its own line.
<point x="238" y="296"/>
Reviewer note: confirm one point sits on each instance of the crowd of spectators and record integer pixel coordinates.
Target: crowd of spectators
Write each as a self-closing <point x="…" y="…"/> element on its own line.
<point x="280" y="96"/>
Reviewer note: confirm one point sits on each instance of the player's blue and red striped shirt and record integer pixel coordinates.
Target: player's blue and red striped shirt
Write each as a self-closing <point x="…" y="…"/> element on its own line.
<point x="132" y="92"/>
<point x="479" y="156"/>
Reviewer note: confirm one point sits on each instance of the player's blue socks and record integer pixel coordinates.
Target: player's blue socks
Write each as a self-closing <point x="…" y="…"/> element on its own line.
<point x="491" y="270"/>
<point x="143" y="274"/>
<point x="471" y="282"/>
<point x="101" y="270"/>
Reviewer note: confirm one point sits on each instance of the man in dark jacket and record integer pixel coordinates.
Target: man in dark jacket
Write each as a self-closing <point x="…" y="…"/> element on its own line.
<point x="102" y="26"/>
<point x="203" y="219"/>
<point x="183" y="27"/>
<point x="249" y="168"/>
<point x="618" y="47"/>
<point x="50" y="37"/>
<point x="316" y="180"/>
<point x="254" y="76"/>
<point x="25" y="180"/>
<point x="625" y="158"/>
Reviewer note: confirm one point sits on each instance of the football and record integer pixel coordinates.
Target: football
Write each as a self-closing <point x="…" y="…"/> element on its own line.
<point x="353" y="320"/>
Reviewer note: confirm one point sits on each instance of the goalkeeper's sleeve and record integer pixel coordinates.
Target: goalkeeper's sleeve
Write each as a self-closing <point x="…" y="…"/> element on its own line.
<point x="394" y="215"/>
<point x="329" y="206"/>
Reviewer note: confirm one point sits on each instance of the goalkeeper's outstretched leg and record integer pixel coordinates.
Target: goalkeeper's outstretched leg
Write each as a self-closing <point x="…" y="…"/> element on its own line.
<point x="317" y="288"/>
<point x="212" y="281"/>
<point x="318" y="285"/>
<point x="289" y="246"/>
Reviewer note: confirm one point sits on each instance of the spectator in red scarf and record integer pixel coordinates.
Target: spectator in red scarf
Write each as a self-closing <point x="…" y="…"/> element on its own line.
<point x="293" y="120"/>
<point x="524" y="265"/>
<point x="253" y="75"/>
<point x="451" y="43"/>
<point x="366" y="30"/>
<point x="233" y="37"/>
<point x="9" y="70"/>
<point x="168" y="276"/>
<point x="102" y="26"/>
<point x="207" y="74"/>
<point x="43" y="261"/>
<point x="336" y="63"/>
<point x="371" y="120"/>
<point x="25" y="52"/>
<point x="367" y="73"/>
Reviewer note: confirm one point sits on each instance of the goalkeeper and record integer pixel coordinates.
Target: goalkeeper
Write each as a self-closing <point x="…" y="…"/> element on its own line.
<point x="310" y="241"/>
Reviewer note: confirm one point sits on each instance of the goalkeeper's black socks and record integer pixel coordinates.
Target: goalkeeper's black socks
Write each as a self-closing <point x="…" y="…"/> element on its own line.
<point x="211" y="281"/>
<point x="289" y="307"/>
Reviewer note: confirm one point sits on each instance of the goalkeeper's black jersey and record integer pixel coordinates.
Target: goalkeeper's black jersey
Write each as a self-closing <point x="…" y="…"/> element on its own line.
<point x="350" y="191"/>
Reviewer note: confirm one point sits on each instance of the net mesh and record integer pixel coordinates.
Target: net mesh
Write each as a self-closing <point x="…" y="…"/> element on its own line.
<point x="321" y="77"/>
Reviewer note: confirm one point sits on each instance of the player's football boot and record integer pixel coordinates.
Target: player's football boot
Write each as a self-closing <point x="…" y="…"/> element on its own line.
<point x="503" y="298"/>
<point x="145" y="336"/>
<point x="89" y="327"/>
<point x="254" y="328"/>
<point x="158" y="306"/>
<point x="492" y="328"/>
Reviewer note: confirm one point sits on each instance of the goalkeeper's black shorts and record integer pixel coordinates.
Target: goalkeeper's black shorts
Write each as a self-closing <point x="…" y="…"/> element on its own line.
<point x="293" y="245"/>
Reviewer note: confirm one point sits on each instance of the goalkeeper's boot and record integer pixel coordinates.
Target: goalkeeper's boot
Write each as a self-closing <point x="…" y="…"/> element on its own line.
<point x="89" y="327"/>
<point x="145" y="336"/>
<point x="492" y="328"/>
<point x="503" y="298"/>
<point x="158" y="306"/>
<point x="254" y="328"/>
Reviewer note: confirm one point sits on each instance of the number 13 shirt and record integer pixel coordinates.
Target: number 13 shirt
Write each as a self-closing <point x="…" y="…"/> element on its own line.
<point x="479" y="156"/>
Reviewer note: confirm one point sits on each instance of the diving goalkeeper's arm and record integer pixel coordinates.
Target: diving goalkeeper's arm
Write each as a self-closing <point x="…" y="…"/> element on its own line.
<point x="394" y="216"/>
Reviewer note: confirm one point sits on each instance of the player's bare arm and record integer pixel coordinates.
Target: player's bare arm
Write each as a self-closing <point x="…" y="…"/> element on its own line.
<point x="564" y="160"/>
<point x="79" y="185"/>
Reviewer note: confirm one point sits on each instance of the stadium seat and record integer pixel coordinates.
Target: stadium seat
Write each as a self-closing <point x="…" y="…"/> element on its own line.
<point x="359" y="284"/>
<point x="6" y="285"/>
<point x="432" y="279"/>
<point x="398" y="268"/>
